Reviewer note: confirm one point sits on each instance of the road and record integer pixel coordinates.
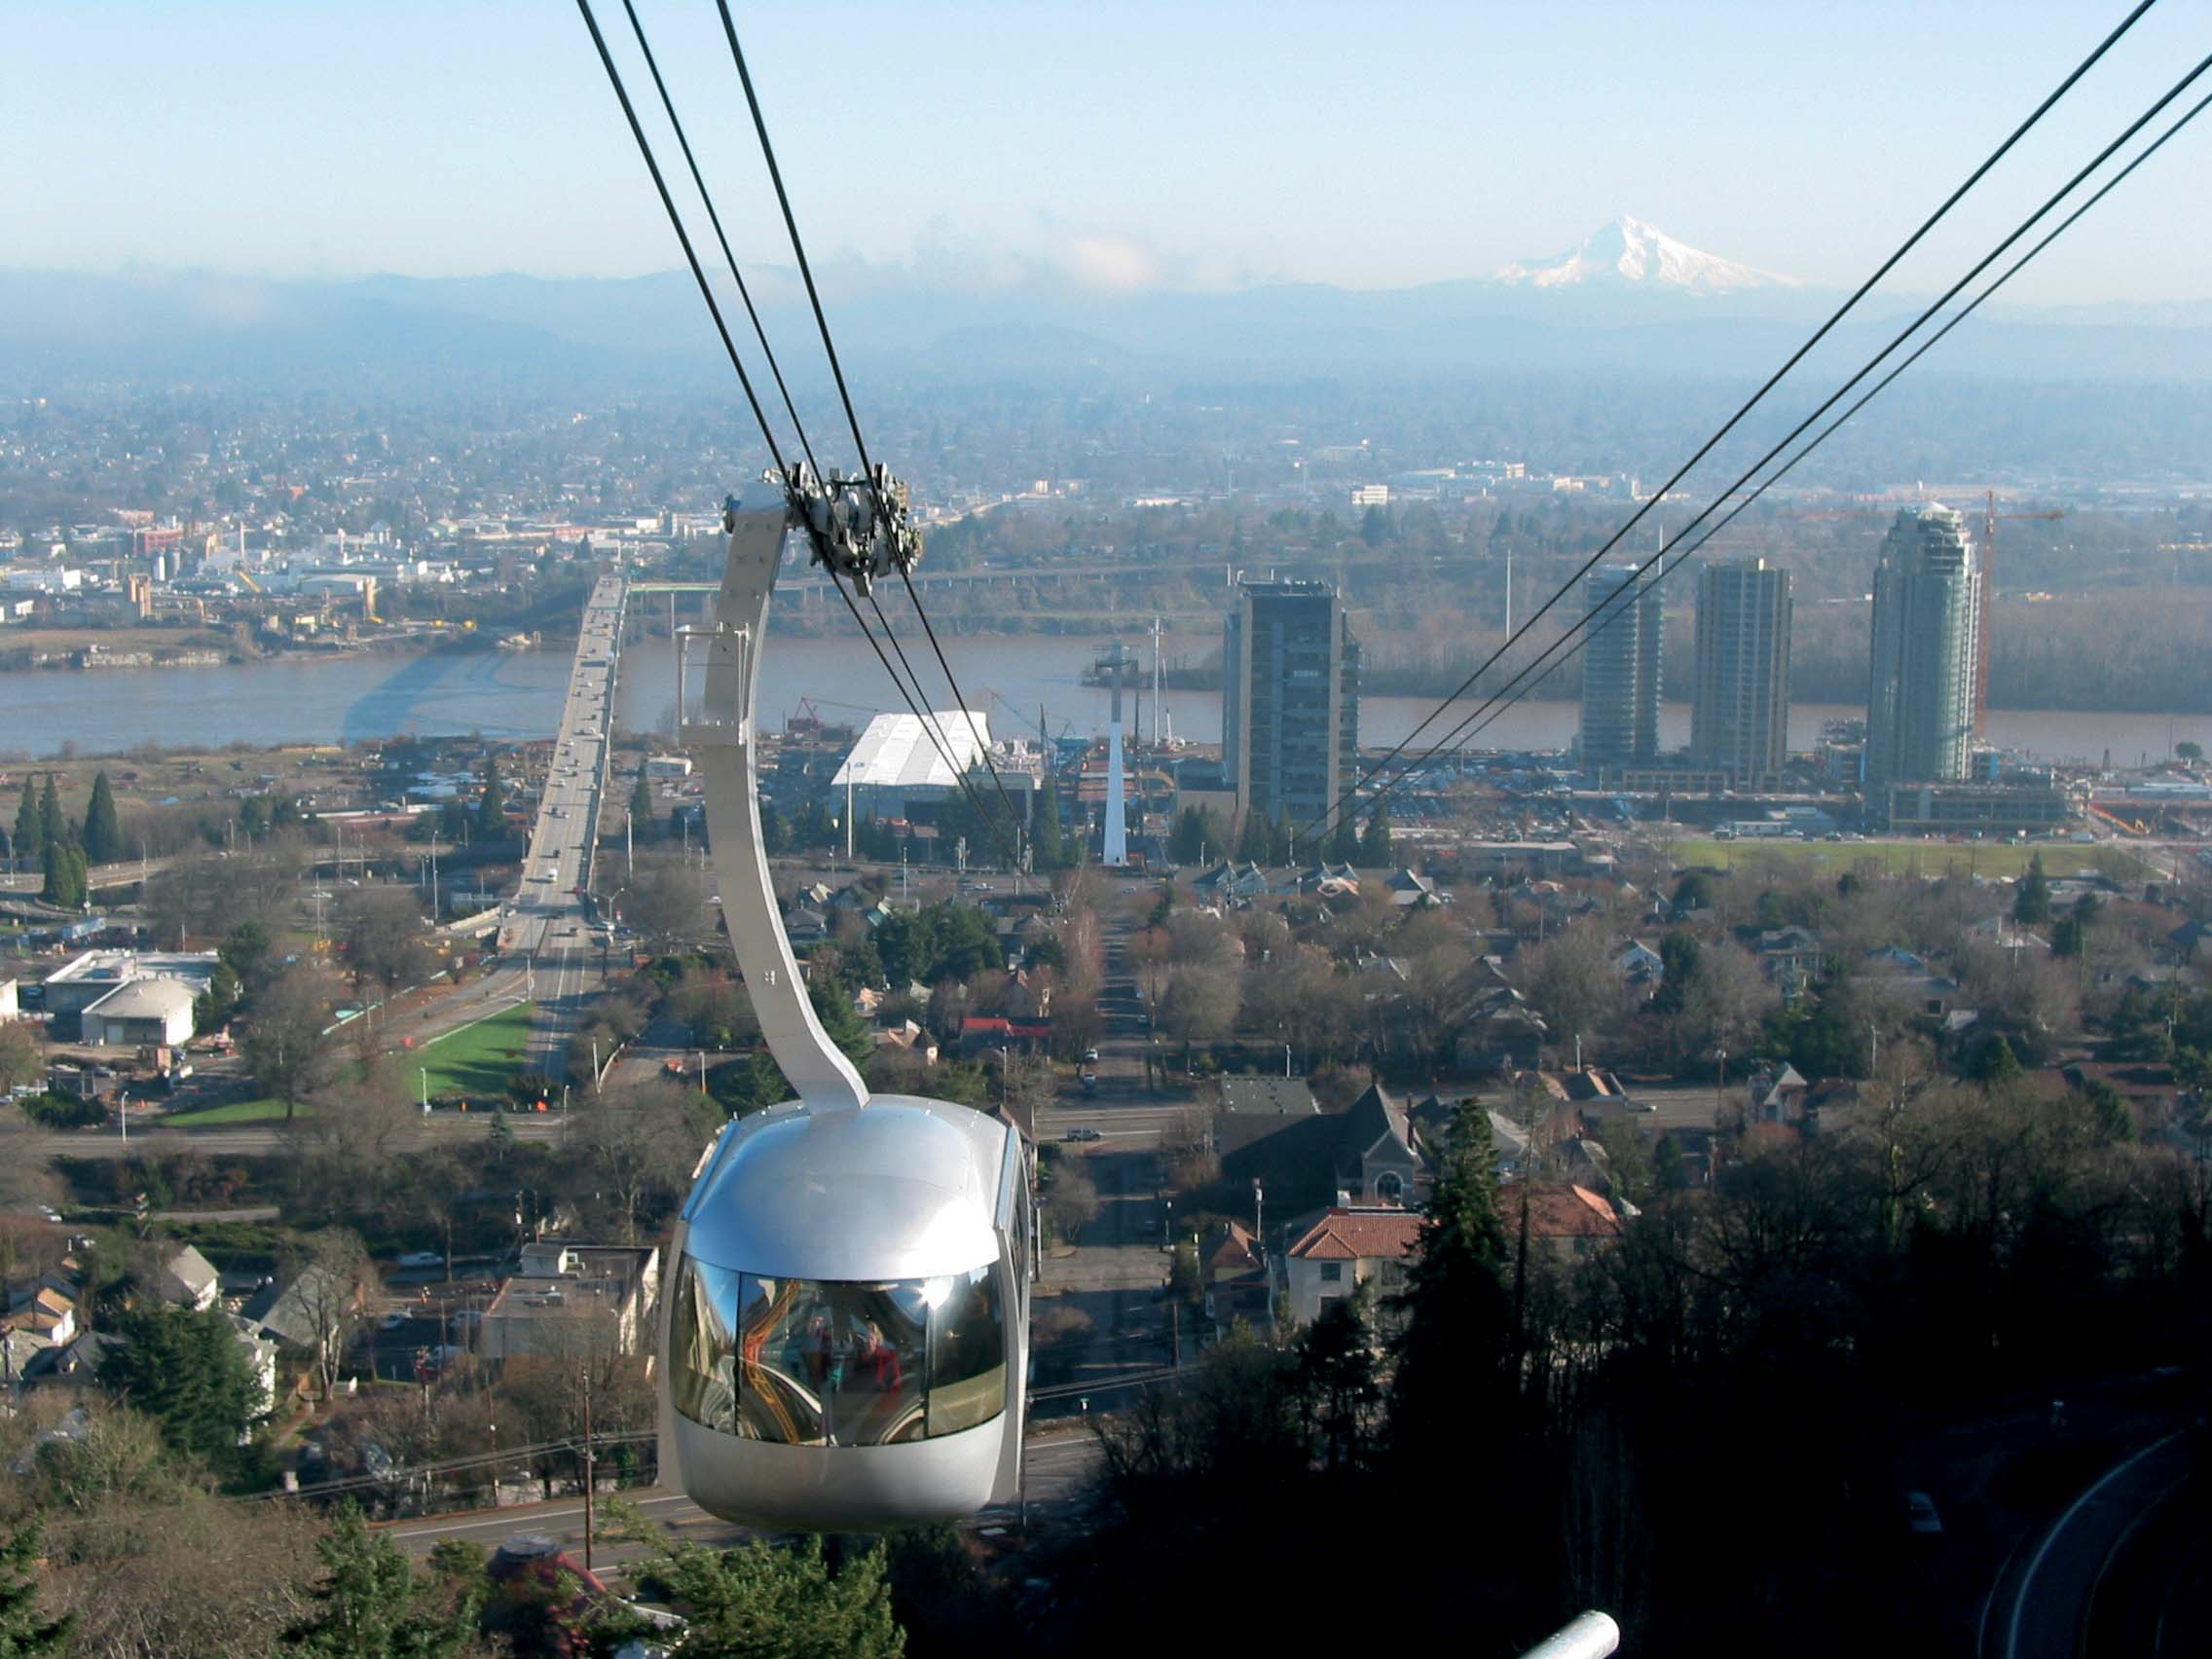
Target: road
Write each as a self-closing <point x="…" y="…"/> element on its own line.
<point x="2041" y="1604"/>
<point x="546" y="927"/>
<point x="1056" y="1469"/>
<point x="255" y="1140"/>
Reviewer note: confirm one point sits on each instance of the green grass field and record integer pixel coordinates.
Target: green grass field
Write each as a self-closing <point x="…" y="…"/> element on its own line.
<point x="1997" y="860"/>
<point x="477" y="1060"/>
<point x="229" y="1112"/>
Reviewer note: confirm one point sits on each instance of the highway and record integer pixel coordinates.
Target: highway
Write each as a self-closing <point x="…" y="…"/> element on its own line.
<point x="546" y="927"/>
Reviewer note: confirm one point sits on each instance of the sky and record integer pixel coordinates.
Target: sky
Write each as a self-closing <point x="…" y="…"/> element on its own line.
<point x="1101" y="143"/>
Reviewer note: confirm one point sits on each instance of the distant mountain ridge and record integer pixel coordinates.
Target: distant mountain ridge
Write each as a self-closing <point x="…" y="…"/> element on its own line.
<point x="1629" y="299"/>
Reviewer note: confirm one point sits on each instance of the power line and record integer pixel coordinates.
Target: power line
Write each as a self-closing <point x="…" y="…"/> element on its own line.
<point x="844" y="393"/>
<point x="1506" y="695"/>
<point x="1906" y="246"/>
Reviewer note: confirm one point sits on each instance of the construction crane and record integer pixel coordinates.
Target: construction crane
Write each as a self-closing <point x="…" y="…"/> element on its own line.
<point x="1985" y="611"/>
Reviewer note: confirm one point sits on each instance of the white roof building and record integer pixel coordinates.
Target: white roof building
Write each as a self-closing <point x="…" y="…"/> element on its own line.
<point x="895" y="759"/>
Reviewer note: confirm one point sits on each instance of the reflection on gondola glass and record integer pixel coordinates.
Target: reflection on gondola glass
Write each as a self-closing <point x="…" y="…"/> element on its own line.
<point x="807" y="1363"/>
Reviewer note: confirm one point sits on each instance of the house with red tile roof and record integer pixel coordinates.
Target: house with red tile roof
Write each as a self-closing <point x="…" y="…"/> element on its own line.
<point x="1342" y="1248"/>
<point x="1564" y="1219"/>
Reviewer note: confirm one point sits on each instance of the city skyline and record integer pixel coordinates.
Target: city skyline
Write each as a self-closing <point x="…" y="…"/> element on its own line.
<point x="1092" y="150"/>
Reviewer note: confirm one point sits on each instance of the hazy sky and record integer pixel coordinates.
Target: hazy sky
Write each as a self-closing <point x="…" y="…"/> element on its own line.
<point x="1119" y="144"/>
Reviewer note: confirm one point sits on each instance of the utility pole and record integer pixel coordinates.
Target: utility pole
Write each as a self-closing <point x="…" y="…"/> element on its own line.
<point x="589" y="1482"/>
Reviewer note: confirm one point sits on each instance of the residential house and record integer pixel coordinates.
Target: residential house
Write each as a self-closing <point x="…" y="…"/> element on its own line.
<point x="2192" y="941"/>
<point x="47" y="1312"/>
<point x="1567" y="1221"/>
<point x="1377" y="1161"/>
<point x="1232" y="881"/>
<point x="1776" y="1096"/>
<point x="1233" y="1278"/>
<point x="188" y="1279"/>
<point x="1410" y="890"/>
<point x="1791" y="958"/>
<point x="980" y="1034"/>
<point x="312" y="1313"/>
<point x="1331" y="1255"/>
<point x="1499" y="1032"/>
<point x="1641" y="966"/>
<point x="572" y="1299"/>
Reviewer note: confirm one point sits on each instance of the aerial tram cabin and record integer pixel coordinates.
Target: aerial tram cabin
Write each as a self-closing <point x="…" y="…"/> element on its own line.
<point x="846" y="1336"/>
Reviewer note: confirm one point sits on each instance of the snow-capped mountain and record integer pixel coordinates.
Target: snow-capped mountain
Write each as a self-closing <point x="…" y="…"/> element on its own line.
<point x="1630" y="254"/>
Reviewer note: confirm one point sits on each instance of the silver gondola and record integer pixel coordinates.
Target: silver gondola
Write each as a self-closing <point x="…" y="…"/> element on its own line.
<point x="845" y="1334"/>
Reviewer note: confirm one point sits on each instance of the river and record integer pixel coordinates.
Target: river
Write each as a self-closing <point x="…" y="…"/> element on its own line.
<point x="517" y="694"/>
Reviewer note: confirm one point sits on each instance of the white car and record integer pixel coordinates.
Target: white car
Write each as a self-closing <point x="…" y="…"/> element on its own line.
<point x="421" y="1258"/>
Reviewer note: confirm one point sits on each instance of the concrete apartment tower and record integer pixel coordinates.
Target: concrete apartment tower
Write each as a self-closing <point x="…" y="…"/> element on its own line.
<point x="1920" y="703"/>
<point x="1620" y="667"/>
<point x="1289" y="700"/>
<point x="1740" y="705"/>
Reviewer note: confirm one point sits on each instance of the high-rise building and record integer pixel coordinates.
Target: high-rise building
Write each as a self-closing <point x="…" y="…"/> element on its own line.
<point x="1289" y="700"/>
<point x="1620" y="667"/>
<point x="1740" y="704"/>
<point x="1920" y="701"/>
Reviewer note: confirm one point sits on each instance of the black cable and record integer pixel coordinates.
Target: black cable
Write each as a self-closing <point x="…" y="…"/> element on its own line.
<point x="675" y="223"/>
<point x="837" y="372"/>
<point x="1502" y="702"/>
<point x="760" y="415"/>
<point x="713" y="219"/>
<point x="1995" y="155"/>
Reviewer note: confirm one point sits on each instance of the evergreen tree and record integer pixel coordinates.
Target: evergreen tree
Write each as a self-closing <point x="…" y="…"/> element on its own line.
<point x="103" y="837"/>
<point x="492" y="805"/>
<point x="52" y="826"/>
<point x="2031" y="907"/>
<point x="30" y="843"/>
<point x="1455" y="1347"/>
<point x="1344" y="840"/>
<point x="22" y="1630"/>
<point x="762" y="1602"/>
<point x="1375" y="842"/>
<point x="1996" y="1064"/>
<point x="1047" y="851"/>
<point x="1279" y="846"/>
<point x="64" y="885"/>
<point x="244" y="950"/>
<point x="214" y="1006"/>
<point x="642" y="806"/>
<point x="370" y="1603"/>
<point x="1252" y="838"/>
<point x="1338" y="1381"/>
<point x="188" y="1372"/>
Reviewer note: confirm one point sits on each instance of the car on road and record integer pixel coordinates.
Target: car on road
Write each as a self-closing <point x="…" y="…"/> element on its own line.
<point x="421" y="1258"/>
<point x="1920" y="1515"/>
<point x="1090" y="1057"/>
<point x="1086" y="1134"/>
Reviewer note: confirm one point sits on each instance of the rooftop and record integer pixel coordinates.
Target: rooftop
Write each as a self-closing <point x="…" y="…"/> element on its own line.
<point x="1344" y="1235"/>
<point x="896" y="751"/>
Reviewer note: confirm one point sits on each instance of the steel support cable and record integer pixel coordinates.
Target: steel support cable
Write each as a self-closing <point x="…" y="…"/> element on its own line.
<point x="837" y="372"/>
<point x="983" y="810"/>
<point x="1502" y="702"/>
<point x="684" y="237"/>
<point x="1795" y="358"/>
<point x="715" y="219"/>
<point x="920" y="712"/>
<point x="760" y="415"/>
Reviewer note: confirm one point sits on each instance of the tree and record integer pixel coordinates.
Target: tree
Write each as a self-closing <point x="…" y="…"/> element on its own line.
<point x="1197" y="837"/>
<point x="1455" y="1343"/>
<point x="762" y="1602"/>
<point x="30" y="843"/>
<point x="1047" y="851"/>
<point x="492" y="804"/>
<point x="381" y="930"/>
<point x="22" y="1058"/>
<point x="103" y="837"/>
<point x="282" y="1047"/>
<point x="1996" y="1064"/>
<point x="369" y="1603"/>
<point x="2190" y="751"/>
<point x="1375" y="839"/>
<point x="244" y="950"/>
<point x="65" y="885"/>
<point x="24" y="1630"/>
<point x="1338" y="1383"/>
<point x="642" y="805"/>
<point x="2031" y="906"/>
<point x="1252" y="838"/>
<point x="212" y="1008"/>
<point x="52" y="828"/>
<point x="188" y="1372"/>
<point x="1344" y="840"/>
<point x="640" y="1140"/>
